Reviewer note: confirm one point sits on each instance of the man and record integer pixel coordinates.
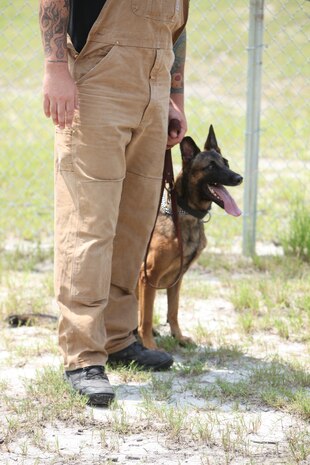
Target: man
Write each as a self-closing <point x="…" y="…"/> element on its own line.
<point x="108" y="92"/>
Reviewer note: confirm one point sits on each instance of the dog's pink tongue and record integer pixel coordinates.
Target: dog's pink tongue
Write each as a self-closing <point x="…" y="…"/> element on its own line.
<point x="229" y="204"/>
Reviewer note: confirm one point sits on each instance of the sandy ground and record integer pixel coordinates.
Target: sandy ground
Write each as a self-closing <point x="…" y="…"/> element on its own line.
<point x="256" y="434"/>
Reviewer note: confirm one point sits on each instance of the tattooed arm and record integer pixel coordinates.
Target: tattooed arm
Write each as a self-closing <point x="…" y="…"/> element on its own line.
<point x="59" y="89"/>
<point x="176" y="107"/>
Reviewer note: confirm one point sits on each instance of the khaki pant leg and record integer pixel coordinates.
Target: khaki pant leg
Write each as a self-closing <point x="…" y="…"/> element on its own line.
<point x="137" y="215"/>
<point x="88" y="189"/>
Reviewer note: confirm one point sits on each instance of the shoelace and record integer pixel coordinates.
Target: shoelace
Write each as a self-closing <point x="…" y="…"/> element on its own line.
<point x="95" y="372"/>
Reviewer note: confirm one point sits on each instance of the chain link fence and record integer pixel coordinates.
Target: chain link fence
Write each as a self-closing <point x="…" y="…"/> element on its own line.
<point x="216" y="93"/>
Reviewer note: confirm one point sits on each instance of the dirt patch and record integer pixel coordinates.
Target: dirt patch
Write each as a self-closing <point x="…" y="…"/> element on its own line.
<point x="204" y="411"/>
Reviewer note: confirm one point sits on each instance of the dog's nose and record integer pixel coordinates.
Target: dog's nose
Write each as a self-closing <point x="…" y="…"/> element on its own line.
<point x="239" y="179"/>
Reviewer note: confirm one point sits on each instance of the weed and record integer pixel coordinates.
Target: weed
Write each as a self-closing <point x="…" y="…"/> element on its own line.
<point x="168" y="343"/>
<point x="283" y="386"/>
<point x="149" y="406"/>
<point x="22" y="296"/>
<point x="269" y="304"/>
<point x="296" y="241"/>
<point x="175" y="421"/>
<point x="245" y="296"/>
<point x="57" y="448"/>
<point x="103" y="438"/>
<point x="299" y="444"/>
<point x="24" y="448"/>
<point x="301" y="403"/>
<point x="197" y="289"/>
<point x="168" y="418"/>
<point x="239" y="389"/>
<point x="278" y="373"/>
<point x="279" y="385"/>
<point x="205" y="392"/>
<point x="255" y="424"/>
<point x="220" y="263"/>
<point x="201" y="335"/>
<point x="225" y="354"/>
<point x="226" y="440"/>
<point x="131" y="373"/>
<point x="26" y="259"/>
<point x="194" y="368"/>
<point x="162" y="387"/>
<point x="3" y="386"/>
<point x="204" y="430"/>
<point x="120" y="423"/>
<point x="156" y="318"/>
<point x="247" y="321"/>
<point x="48" y="284"/>
<point x="282" y="328"/>
<point x="38" y="436"/>
<point x="13" y="426"/>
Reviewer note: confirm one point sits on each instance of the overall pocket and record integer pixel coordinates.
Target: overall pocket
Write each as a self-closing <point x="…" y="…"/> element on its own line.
<point x="63" y="146"/>
<point x="158" y="10"/>
<point x="90" y="63"/>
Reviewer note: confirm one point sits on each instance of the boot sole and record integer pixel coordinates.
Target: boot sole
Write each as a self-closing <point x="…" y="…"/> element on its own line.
<point x="124" y="363"/>
<point x="101" y="399"/>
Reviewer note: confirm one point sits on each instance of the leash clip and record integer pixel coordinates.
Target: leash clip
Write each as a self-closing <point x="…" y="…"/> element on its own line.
<point x="169" y="187"/>
<point x="208" y="218"/>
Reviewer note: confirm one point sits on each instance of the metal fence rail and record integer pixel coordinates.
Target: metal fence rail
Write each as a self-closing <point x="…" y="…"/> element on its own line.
<point x="219" y="74"/>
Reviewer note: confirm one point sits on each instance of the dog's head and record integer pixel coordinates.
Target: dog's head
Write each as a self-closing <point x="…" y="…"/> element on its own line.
<point x="204" y="175"/>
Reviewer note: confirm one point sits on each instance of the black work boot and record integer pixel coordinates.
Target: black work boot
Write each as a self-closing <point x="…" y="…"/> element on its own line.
<point x="92" y="382"/>
<point x="143" y="358"/>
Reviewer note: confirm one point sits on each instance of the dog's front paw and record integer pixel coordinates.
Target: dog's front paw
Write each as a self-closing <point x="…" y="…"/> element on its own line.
<point x="150" y="343"/>
<point x="185" y="340"/>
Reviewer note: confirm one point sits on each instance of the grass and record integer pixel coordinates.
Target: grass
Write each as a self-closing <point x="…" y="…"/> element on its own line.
<point x="276" y="384"/>
<point x="26" y="259"/>
<point x="201" y="334"/>
<point x="216" y="75"/>
<point x="296" y="241"/>
<point x="47" y="398"/>
<point x="129" y="374"/>
<point x="21" y="297"/>
<point x="267" y="304"/>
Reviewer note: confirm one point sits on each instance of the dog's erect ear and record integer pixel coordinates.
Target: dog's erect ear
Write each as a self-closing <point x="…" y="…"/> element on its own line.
<point x="188" y="149"/>
<point x="211" y="142"/>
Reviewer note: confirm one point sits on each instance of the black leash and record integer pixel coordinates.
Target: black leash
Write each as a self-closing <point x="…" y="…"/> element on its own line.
<point x="168" y="184"/>
<point x="28" y="319"/>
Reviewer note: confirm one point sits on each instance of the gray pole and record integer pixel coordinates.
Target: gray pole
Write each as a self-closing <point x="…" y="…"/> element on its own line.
<point x="255" y="50"/>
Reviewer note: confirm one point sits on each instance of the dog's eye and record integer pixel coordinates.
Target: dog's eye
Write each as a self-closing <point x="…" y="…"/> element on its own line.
<point x="210" y="166"/>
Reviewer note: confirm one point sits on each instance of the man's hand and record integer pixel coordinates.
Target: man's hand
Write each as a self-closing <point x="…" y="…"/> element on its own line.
<point x="60" y="94"/>
<point x="59" y="89"/>
<point x="176" y="134"/>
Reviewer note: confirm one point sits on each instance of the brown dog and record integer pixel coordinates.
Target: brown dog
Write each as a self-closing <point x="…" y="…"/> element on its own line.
<point x="198" y="185"/>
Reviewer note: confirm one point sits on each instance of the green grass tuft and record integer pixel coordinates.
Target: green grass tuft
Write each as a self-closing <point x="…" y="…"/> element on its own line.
<point x="296" y="240"/>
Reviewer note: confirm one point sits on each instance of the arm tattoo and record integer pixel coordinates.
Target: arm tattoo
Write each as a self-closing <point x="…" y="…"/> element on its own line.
<point x="53" y="18"/>
<point x="177" y="70"/>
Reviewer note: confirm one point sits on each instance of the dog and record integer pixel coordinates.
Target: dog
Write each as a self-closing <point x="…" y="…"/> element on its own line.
<point x="199" y="184"/>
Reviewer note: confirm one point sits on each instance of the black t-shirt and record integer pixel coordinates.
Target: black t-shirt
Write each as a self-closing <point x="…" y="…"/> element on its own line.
<point x="83" y="14"/>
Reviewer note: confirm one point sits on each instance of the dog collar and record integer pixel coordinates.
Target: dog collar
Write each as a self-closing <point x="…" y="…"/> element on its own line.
<point x="200" y="214"/>
<point x="184" y="209"/>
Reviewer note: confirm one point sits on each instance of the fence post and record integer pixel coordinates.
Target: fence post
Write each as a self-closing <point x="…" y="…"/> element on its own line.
<point x="255" y="50"/>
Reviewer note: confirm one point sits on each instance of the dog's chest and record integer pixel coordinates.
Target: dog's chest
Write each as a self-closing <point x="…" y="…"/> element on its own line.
<point x="194" y="240"/>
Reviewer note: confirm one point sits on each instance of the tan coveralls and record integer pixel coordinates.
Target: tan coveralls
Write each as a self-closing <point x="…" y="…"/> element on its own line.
<point x="108" y="173"/>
